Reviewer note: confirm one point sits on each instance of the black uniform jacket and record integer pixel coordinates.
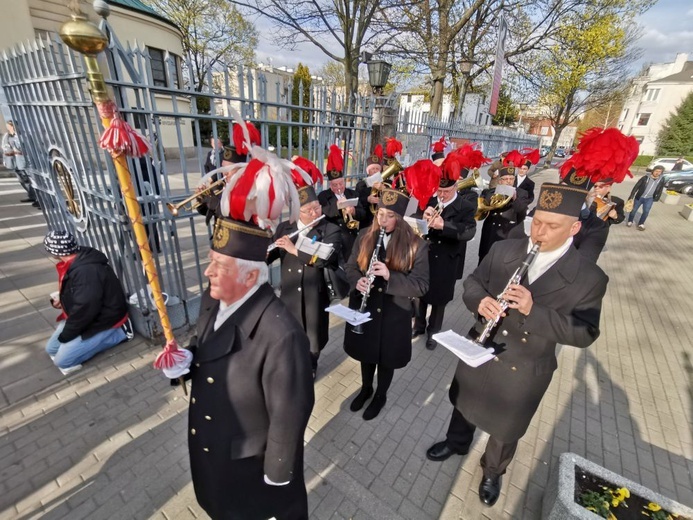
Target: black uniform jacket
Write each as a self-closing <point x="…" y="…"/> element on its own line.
<point x="328" y="201"/>
<point x="387" y="337"/>
<point x="501" y="396"/>
<point x="304" y="290"/>
<point x="252" y="394"/>
<point x="528" y="185"/>
<point x="591" y="238"/>
<point x="91" y="296"/>
<point x="364" y="191"/>
<point x="500" y="221"/>
<point x="447" y="248"/>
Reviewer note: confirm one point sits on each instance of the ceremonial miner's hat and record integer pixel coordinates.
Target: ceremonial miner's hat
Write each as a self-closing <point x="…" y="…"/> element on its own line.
<point x="531" y="156"/>
<point x="422" y="180"/>
<point x="459" y="162"/>
<point x="335" y="164"/>
<point x="393" y="148"/>
<point x="511" y="161"/>
<point x="561" y="198"/>
<point x="439" y="149"/>
<point x="377" y="156"/>
<point x="306" y="191"/>
<point x="237" y="151"/>
<point x="394" y="200"/>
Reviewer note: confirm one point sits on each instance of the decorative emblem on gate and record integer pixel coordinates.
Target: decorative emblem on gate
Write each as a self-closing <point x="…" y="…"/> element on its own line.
<point x="65" y="179"/>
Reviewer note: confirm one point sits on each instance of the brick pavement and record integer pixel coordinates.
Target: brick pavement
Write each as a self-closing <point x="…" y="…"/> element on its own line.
<point x="109" y="441"/>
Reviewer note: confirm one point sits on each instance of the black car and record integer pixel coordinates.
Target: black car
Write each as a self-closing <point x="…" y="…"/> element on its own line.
<point x="679" y="181"/>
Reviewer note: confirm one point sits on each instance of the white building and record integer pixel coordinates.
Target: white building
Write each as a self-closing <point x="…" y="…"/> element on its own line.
<point x="474" y="111"/>
<point x="653" y="97"/>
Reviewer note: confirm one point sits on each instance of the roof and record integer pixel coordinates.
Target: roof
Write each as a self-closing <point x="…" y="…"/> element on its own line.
<point x="140" y="7"/>
<point x="685" y="76"/>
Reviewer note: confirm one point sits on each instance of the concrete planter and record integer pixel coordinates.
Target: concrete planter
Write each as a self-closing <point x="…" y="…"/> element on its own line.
<point x="670" y="199"/>
<point x="687" y="213"/>
<point x="559" y="497"/>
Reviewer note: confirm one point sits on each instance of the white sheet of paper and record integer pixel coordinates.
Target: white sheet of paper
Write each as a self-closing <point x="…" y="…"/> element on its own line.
<point x="527" y="223"/>
<point x="347" y="203"/>
<point x="502" y="189"/>
<point x="412" y="206"/>
<point x="418" y="225"/>
<point x="371" y="180"/>
<point x="306" y="245"/>
<point x="351" y="316"/>
<point x="467" y="350"/>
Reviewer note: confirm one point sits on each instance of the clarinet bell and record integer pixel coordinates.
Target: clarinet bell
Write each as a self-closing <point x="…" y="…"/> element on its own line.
<point x="357" y="329"/>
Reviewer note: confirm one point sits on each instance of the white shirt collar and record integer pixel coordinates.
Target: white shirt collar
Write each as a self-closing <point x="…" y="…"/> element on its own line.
<point x="225" y="311"/>
<point x="446" y="204"/>
<point x="544" y="261"/>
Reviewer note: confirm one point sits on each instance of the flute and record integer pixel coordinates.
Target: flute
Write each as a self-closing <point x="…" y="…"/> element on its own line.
<point x="273" y="245"/>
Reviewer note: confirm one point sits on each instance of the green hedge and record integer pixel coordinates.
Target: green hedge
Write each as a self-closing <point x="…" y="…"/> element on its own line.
<point x="643" y="160"/>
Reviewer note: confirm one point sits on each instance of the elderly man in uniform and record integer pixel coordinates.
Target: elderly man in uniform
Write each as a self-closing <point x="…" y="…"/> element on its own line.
<point x="558" y="302"/>
<point x="450" y="222"/>
<point x="367" y="200"/>
<point x="252" y="390"/>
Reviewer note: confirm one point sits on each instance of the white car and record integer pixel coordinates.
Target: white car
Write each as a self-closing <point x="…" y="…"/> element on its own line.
<point x="667" y="163"/>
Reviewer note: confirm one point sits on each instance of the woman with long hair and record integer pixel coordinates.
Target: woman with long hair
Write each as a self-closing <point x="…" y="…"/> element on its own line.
<point x="401" y="273"/>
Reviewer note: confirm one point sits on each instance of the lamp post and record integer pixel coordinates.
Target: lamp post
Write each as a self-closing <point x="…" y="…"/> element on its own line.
<point x="523" y="107"/>
<point x="378" y="73"/>
<point x="465" y="67"/>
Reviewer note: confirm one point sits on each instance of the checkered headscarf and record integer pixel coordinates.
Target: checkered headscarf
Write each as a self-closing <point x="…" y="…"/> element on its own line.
<point x="60" y="243"/>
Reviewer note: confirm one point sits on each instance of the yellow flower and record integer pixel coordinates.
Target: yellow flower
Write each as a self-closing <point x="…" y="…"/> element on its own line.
<point x="653" y="507"/>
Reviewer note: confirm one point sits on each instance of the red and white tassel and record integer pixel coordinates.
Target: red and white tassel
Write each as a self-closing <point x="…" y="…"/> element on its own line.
<point x="120" y="138"/>
<point x="174" y="361"/>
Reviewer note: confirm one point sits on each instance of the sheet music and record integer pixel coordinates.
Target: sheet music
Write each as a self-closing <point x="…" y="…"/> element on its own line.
<point x="502" y="189"/>
<point x="371" y="180"/>
<point x="418" y="225"/>
<point x="347" y="203"/>
<point x="467" y="350"/>
<point x="306" y="245"/>
<point x="351" y="316"/>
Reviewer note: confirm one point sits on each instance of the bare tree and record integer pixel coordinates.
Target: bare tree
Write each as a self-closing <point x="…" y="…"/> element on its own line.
<point x="214" y="33"/>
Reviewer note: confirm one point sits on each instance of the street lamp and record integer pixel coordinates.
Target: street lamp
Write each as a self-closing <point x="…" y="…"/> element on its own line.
<point x="378" y="72"/>
<point x="465" y="67"/>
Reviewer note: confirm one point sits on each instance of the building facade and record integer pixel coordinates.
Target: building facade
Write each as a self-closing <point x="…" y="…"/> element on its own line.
<point x="474" y="111"/>
<point x="654" y="96"/>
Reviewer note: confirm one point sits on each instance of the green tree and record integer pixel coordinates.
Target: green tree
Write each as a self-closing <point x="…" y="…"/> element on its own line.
<point x="507" y="113"/>
<point x="676" y="136"/>
<point x="214" y="33"/>
<point x="300" y="96"/>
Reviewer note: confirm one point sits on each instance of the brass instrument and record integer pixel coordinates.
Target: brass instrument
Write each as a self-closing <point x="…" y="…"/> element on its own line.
<point x="195" y="199"/>
<point x="358" y="329"/>
<point x="392" y="169"/>
<point x="351" y="222"/>
<point x="474" y="180"/>
<point x="497" y="201"/>
<point x="515" y="279"/>
<point x="604" y="207"/>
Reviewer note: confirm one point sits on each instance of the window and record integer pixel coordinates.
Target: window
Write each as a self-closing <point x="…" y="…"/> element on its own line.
<point x="643" y="119"/>
<point x="651" y="94"/>
<point x="544" y="130"/>
<point x="158" y="65"/>
<point x="408" y="98"/>
<point x="625" y="114"/>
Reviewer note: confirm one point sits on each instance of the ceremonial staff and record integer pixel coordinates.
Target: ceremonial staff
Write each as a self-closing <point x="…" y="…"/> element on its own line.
<point x="121" y="141"/>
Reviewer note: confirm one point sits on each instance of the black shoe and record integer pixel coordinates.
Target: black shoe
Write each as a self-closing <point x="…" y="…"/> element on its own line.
<point x="431" y="344"/>
<point x="373" y="409"/>
<point x="363" y="396"/>
<point x="415" y="333"/>
<point x="36" y="204"/>
<point x="441" y="451"/>
<point x="27" y="200"/>
<point x="489" y="489"/>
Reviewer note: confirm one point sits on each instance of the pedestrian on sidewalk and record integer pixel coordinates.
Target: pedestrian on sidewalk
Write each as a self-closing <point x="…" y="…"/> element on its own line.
<point x="13" y="159"/>
<point x="645" y="193"/>
<point x="94" y="313"/>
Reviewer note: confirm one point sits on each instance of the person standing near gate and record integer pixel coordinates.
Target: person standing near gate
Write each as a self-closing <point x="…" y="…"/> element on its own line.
<point x="450" y="221"/>
<point x="303" y="285"/>
<point x="13" y="159"/>
<point x="559" y="301"/>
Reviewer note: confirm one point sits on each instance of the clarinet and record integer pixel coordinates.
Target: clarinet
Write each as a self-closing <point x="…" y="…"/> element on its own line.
<point x="514" y="279"/>
<point x="358" y="329"/>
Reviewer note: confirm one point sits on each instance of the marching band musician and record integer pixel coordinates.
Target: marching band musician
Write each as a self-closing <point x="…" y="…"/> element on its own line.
<point x="522" y="180"/>
<point x="401" y="273"/>
<point x="303" y="286"/>
<point x="348" y="219"/>
<point x="450" y="223"/>
<point x="559" y="301"/>
<point x="366" y="199"/>
<point x="500" y="221"/>
<point x="613" y="212"/>
<point x="438" y="155"/>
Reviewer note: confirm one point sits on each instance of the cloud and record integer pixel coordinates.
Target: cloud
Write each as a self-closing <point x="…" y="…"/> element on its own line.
<point x="662" y="47"/>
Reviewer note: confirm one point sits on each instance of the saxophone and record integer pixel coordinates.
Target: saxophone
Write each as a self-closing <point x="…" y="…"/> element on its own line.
<point x="358" y="329"/>
<point x="514" y="279"/>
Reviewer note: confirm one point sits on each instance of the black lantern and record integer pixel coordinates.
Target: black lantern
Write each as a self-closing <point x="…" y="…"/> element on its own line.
<point x="378" y="72"/>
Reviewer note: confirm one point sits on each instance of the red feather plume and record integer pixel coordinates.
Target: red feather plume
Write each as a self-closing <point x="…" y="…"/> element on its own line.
<point x="603" y="154"/>
<point x="439" y="145"/>
<point x="378" y="151"/>
<point x="335" y="160"/>
<point x="308" y="167"/>
<point x="422" y="179"/>
<point x="466" y="157"/>
<point x="514" y="158"/>
<point x="531" y="155"/>
<point x="239" y="141"/>
<point x="393" y="147"/>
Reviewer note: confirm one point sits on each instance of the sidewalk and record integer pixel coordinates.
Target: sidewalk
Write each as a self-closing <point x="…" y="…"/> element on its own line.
<point x="110" y="441"/>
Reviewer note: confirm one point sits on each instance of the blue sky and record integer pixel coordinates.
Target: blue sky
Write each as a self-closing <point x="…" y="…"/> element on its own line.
<point x="667" y="29"/>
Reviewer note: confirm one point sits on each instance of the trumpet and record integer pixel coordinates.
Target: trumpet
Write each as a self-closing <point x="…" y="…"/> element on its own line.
<point x="392" y="169"/>
<point x="351" y="222"/>
<point x="514" y="279"/>
<point x="273" y="245"/>
<point x="358" y="329"/>
<point x="195" y="199"/>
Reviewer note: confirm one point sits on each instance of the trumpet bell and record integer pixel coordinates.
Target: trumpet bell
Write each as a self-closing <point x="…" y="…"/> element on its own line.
<point x="392" y="169"/>
<point x="474" y="180"/>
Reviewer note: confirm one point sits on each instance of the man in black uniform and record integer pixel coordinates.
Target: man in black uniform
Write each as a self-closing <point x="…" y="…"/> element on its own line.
<point x="347" y="219"/>
<point x="303" y="286"/>
<point x="366" y="200"/>
<point x="559" y="301"/>
<point x="450" y="222"/>
<point x="252" y="390"/>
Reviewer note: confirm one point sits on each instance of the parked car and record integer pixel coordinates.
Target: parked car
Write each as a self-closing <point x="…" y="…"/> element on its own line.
<point x="680" y="181"/>
<point x="544" y="151"/>
<point x="560" y="152"/>
<point x="667" y="163"/>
